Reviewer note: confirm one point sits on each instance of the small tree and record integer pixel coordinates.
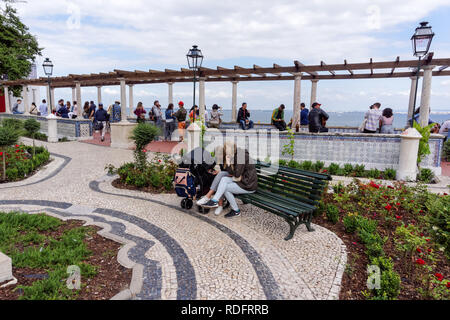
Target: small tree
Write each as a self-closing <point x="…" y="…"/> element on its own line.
<point x="424" y="146"/>
<point x="32" y="127"/>
<point x="142" y="135"/>
<point x="8" y="137"/>
<point x="288" y="149"/>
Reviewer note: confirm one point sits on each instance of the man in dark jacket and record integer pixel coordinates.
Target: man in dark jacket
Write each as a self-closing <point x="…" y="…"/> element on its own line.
<point x="317" y="118"/>
<point x="100" y="118"/>
<point x="304" y="115"/>
<point x="243" y="118"/>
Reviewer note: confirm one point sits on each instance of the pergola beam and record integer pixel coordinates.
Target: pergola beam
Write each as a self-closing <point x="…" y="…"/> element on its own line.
<point x="322" y="64"/>
<point x="349" y="70"/>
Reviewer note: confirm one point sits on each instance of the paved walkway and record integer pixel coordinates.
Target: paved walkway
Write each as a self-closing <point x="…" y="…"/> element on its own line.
<point x="177" y="253"/>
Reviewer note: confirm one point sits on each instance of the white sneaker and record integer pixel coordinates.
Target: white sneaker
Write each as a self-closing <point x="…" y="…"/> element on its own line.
<point x="218" y="210"/>
<point x="203" y="200"/>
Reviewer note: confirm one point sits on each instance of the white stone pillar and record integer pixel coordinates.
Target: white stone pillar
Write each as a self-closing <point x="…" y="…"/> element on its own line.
<point x="53" y="98"/>
<point x="26" y="99"/>
<point x="426" y="95"/>
<point x="99" y="95"/>
<point x="131" y="97"/>
<point x="52" y="131"/>
<point x="170" y="92"/>
<point x="412" y="93"/>
<point x="123" y="100"/>
<point x="194" y="136"/>
<point x="409" y="148"/>
<point x="74" y="95"/>
<point x="78" y="99"/>
<point x="234" y="102"/>
<point x="47" y="91"/>
<point x="7" y="102"/>
<point x="201" y="98"/>
<point x="313" y="91"/>
<point x="33" y="90"/>
<point x="296" y="106"/>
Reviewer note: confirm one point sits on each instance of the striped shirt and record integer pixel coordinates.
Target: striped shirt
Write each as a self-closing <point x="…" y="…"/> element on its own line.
<point x="373" y="119"/>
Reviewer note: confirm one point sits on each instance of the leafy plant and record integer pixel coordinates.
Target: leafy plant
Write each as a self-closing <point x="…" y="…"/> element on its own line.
<point x="142" y="135"/>
<point x="318" y="165"/>
<point x="8" y="137"/>
<point x="373" y="173"/>
<point x="333" y="169"/>
<point x="348" y="168"/>
<point x="332" y="213"/>
<point x="425" y="175"/>
<point x="446" y="150"/>
<point x="390" y="174"/>
<point x="32" y="126"/>
<point x="359" y="170"/>
<point x="306" y="165"/>
<point x="289" y="148"/>
<point x="424" y="147"/>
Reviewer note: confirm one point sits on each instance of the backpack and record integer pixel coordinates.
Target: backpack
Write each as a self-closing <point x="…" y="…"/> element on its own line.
<point x="185" y="183"/>
<point x="151" y="115"/>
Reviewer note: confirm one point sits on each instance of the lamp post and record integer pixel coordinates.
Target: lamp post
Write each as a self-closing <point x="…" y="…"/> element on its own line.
<point x="48" y="70"/>
<point x="421" y="41"/>
<point x="195" y="60"/>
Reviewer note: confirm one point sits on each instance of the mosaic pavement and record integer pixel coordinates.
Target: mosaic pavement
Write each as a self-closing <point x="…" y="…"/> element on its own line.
<point x="177" y="253"/>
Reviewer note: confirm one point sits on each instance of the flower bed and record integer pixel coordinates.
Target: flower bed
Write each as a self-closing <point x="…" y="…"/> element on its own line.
<point x="403" y="231"/>
<point x="19" y="162"/>
<point x="42" y="248"/>
<point x="155" y="176"/>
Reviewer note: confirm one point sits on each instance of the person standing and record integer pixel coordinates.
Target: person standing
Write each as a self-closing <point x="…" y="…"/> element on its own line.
<point x="116" y="112"/>
<point x="157" y="116"/>
<point x="181" y="117"/>
<point x="215" y="120"/>
<point x="373" y="117"/>
<point x="100" y="119"/>
<point x="304" y="112"/>
<point x="15" y="109"/>
<point x="43" y="109"/>
<point x="140" y="113"/>
<point x="191" y="113"/>
<point x="386" y="121"/>
<point x="170" y="123"/>
<point x="243" y="118"/>
<point x="317" y="119"/>
<point x="92" y="108"/>
<point x="278" y="118"/>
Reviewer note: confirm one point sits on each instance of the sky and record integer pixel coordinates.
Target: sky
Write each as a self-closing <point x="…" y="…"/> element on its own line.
<point x="92" y="36"/>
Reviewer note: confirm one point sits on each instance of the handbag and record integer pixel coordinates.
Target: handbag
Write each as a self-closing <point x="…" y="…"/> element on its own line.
<point x="98" y="126"/>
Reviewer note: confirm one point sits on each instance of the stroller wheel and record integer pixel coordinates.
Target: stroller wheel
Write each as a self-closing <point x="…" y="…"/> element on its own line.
<point x="189" y="203"/>
<point x="183" y="203"/>
<point x="203" y="210"/>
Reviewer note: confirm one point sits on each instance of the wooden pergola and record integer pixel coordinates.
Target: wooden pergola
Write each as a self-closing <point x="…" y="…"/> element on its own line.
<point x="297" y="72"/>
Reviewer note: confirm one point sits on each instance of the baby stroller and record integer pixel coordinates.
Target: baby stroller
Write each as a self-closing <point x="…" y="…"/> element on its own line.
<point x="193" y="179"/>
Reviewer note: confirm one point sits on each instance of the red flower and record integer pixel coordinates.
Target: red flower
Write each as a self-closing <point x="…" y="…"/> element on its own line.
<point x="390" y="187"/>
<point x="439" y="276"/>
<point x="398" y="217"/>
<point x="16" y="145"/>
<point x="448" y="284"/>
<point x="419" y="250"/>
<point x="159" y="161"/>
<point x="420" y="261"/>
<point x="398" y="204"/>
<point x="386" y="197"/>
<point x="421" y="234"/>
<point x="374" y="185"/>
<point x="412" y="201"/>
<point x="388" y="207"/>
<point x="355" y="243"/>
<point x="17" y="151"/>
<point x="421" y="211"/>
<point x="144" y="150"/>
<point x="427" y="240"/>
<point x="1" y="153"/>
<point x="325" y="170"/>
<point x="429" y="250"/>
<point x="445" y="194"/>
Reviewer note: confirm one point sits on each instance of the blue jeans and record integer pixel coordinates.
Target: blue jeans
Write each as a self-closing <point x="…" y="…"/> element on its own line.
<point x="243" y="125"/>
<point x="227" y="187"/>
<point x="17" y="112"/>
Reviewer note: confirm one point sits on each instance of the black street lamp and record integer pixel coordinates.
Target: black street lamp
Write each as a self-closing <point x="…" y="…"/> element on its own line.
<point x="195" y="60"/>
<point x="421" y="41"/>
<point x="48" y="70"/>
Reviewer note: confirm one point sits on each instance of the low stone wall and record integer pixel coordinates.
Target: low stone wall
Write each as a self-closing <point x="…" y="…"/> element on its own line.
<point x="378" y="151"/>
<point x="73" y="129"/>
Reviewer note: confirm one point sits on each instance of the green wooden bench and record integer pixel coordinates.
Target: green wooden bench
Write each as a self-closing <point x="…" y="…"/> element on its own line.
<point x="292" y="194"/>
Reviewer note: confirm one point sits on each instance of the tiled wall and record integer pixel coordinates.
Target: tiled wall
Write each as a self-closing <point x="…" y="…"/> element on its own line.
<point x="69" y="128"/>
<point x="373" y="150"/>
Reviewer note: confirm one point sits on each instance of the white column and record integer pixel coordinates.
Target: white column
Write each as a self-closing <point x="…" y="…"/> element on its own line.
<point x="296" y="106"/>
<point x="412" y="93"/>
<point x="234" y="102"/>
<point x="78" y="99"/>
<point x="313" y="91"/>
<point x="7" y="103"/>
<point x="53" y="98"/>
<point x="426" y="95"/>
<point x="131" y="97"/>
<point x="52" y="128"/>
<point x="99" y="95"/>
<point x="201" y="98"/>
<point x="26" y="99"/>
<point x="47" y="91"/>
<point x="409" y="148"/>
<point x="123" y="100"/>
<point x="33" y="90"/>
<point x="170" y="92"/>
<point x="74" y="95"/>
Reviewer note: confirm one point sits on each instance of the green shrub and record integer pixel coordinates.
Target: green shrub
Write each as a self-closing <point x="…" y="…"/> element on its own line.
<point x="142" y="135"/>
<point x="12" y="174"/>
<point x="438" y="220"/>
<point x="293" y="164"/>
<point x="155" y="180"/>
<point x="390" y="284"/>
<point x="359" y="170"/>
<point x="348" y="168"/>
<point x="168" y="183"/>
<point x="425" y="175"/>
<point x="140" y="181"/>
<point x="338" y="188"/>
<point x="350" y="223"/>
<point x="390" y="174"/>
<point x="282" y="162"/>
<point x="373" y="173"/>
<point x="318" y="165"/>
<point x="15" y="124"/>
<point x="446" y="150"/>
<point x="332" y="213"/>
<point x="333" y="169"/>
<point x="306" y="165"/>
